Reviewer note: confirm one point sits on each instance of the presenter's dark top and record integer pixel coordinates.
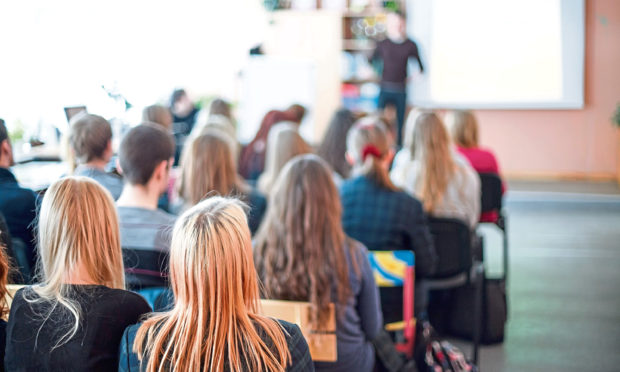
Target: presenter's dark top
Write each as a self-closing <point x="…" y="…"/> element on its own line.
<point x="32" y="335"/>
<point x="395" y="57"/>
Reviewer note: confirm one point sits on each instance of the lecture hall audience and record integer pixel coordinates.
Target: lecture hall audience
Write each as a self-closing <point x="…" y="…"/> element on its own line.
<point x="379" y="214"/>
<point x="75" y="317"/>
<point x="90" y="138"/>
<point x="145" y="229"/>
<point x="302" y="254"/>
<point x="215" y="323"/>
<point x="431" y="169"/>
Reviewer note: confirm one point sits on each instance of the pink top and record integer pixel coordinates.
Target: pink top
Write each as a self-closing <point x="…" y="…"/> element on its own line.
<point x="483" y="161"/>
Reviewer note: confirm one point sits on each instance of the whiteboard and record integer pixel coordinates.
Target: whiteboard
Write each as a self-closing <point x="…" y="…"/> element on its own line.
<point x="270" y="83"/>
<point x="498" y="54"/>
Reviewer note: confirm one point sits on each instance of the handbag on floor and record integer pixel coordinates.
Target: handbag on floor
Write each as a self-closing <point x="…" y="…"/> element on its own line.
<point x="494" y="311"/>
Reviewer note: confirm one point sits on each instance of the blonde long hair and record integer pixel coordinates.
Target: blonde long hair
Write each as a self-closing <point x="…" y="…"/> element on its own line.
<point x="214" y="321"/>
<point x="368" y="143"/>
<point x="208" y="165"/>
<point x="78" y="226"/>
<point x="463" y="128"/>
<point x="300" y="247"/>
<point x="431" y="146"/>
<point x="283" y="144"/>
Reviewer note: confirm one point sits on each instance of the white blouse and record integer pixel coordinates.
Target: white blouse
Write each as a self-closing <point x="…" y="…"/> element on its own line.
<point x="462" y="196"/>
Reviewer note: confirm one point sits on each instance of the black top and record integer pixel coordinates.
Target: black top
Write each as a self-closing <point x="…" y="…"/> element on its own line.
<point x="32" y="334"/>
<point x="395" y="57"/>
<point x="297" y="345"/>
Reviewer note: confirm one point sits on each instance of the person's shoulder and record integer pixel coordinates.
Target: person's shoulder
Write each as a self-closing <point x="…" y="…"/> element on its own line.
<point x="123" y="299"/>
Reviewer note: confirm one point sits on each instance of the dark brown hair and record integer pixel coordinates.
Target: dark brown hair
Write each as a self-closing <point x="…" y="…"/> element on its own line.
<point x="142" y="149"/>
<point x="300" y="247"/>
<point x="334" y="143"/>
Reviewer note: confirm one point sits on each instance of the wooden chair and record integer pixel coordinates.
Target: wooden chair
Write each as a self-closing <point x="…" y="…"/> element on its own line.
<point x="322" y="342"/>
<point x="397" y="269"/>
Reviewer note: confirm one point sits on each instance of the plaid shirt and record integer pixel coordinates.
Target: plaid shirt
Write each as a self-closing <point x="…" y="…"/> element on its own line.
<point x="383" y="219"/>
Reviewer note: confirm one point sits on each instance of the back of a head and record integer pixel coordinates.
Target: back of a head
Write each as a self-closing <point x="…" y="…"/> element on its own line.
<point x="5" y="145"/>
<point x="283" y="144"/>
<point x="368" y="143"/>
<point x="89" y="137"/>
<point x="142" y="149"/>
<point x="4" y="134"/>
<point x="299" y="247"/>
<point x="158" y="114"/>
<point x="176" y="95"/>
<point x="207" y="166"/>
<point x="463" y="128"/>
<point x="220" y="107"/>
<point x="216" y="296"/>
<point x="333" y="147"/>
<point x="78" y="224"/>
<point x="297" y="111"/>
<point x="431" y="147"/>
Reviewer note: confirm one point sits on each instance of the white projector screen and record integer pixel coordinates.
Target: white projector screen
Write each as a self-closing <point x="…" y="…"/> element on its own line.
<point x="498" y="54"/>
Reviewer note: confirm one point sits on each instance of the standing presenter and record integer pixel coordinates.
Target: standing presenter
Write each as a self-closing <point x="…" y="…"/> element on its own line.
<point x="395" y="51"/>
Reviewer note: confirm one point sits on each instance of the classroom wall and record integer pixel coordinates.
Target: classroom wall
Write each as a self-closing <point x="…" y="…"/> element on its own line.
<point x="579" y="144"/>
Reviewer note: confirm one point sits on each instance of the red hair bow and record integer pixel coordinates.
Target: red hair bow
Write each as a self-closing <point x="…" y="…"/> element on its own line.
<point x="371" y="150"/>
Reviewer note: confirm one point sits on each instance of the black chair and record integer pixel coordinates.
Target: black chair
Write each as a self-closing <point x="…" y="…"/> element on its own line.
<point x="456" y="268"/>
<point x="491" y="201"/>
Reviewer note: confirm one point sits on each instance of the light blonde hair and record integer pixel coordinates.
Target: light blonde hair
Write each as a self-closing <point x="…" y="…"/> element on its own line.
<point x="208" y="166"/>
<point x="431" y="146"/>
<point x="463" y="128"/>
<point x="78" y="227"/>
<point x="158" y="114"/>
<point x="368" y="132"/>
<point x="214" y="321"/>
<point x="300" y="247"/>
<point x="283" y="143"/>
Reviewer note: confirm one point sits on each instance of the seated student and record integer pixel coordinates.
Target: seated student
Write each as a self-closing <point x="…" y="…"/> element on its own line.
<point x="433" y="171"/>
<point x="252" y="159"/>
<point x="380" y="215"/>
<point x="334" y="145"/>
<point x="158" y="114"/>
<point x="17" y="204"/>
<point x="145" y="230"/>
<point x="283" y="144"/>
<point x="302" y="254"/>
<point x="214" y="324"/>
<point x="74" y="319"/>
<point x="208" y="168"/>
<point x="91" y="142"/>
<point x="464" y="130"/>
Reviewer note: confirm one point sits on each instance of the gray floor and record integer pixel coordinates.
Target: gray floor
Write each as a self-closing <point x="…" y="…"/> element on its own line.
<point x="564" y="290"/>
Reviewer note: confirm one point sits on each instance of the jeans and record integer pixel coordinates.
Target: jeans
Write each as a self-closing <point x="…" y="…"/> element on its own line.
<point x="399" y="100"/>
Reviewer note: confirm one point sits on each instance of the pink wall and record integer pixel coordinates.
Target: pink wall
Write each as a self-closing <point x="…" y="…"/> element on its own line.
<point x="567" y="143"/>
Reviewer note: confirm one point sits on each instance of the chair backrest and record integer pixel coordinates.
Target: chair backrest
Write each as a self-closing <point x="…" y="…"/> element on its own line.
<point x="452" y="244"/>
<point x="491" y="195"/>
<point x="322" y="342"/>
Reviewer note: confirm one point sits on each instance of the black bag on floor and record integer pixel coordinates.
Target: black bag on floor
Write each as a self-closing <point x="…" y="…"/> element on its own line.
<point x="494" y="311"/>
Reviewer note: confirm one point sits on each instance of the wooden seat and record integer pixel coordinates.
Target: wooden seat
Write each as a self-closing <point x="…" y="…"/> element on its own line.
<point x="322" y="342"/>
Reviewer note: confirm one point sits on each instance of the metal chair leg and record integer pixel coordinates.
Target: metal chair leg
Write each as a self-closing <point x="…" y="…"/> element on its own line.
<point x="478" y="310"/>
